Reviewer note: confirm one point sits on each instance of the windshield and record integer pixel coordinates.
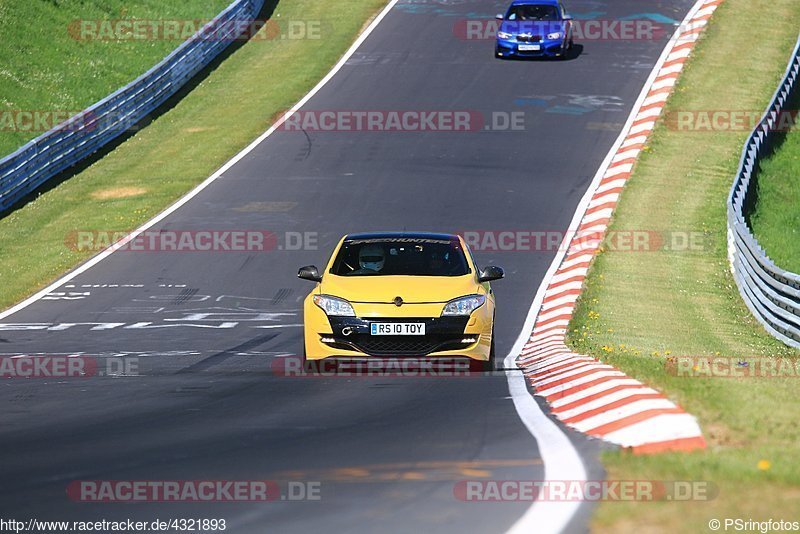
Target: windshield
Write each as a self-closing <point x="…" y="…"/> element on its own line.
<point x="533" y="12"/>
<point x="409" y="256"/>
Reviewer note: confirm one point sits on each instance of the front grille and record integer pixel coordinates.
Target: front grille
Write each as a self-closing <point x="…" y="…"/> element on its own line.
<point x="404" y="345"/>
<point x="529" y="38"/>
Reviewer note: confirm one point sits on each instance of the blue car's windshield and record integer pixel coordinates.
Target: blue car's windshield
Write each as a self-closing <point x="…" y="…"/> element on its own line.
<point x="533" y="12"/>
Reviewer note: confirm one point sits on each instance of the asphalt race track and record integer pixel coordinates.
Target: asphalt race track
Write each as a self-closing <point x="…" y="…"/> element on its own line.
<point x="205" y="330"/>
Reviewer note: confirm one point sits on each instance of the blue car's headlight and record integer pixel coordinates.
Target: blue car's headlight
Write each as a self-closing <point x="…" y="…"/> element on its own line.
<point x="504" y="35"/>
<point x="555" y="35"/>
<point x="333" y="306"/>
<point x="463" y="305"/>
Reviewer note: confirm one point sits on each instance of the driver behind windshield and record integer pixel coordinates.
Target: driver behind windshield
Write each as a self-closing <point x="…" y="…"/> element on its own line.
<point x="371" y="259"/>
<point x="533" y="13"/>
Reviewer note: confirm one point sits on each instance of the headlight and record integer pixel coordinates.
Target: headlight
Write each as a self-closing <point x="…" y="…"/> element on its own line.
<point x="556" y="35"/>
<point x="504" y="35"/>
<point x="463" y="305"/>
<point x="334" y="306"/>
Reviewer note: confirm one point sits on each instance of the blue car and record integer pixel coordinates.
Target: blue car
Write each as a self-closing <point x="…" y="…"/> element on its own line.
<point x="534" y="28"/>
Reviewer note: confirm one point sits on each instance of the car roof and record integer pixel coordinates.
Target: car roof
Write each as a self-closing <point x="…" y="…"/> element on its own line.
<point x="405" y="235"/>
<point x="534" y="2"/>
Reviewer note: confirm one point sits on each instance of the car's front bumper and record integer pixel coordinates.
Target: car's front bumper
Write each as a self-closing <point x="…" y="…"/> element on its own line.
<point x="547" y="48"/>
<point x="350" y="337"/>
<point x="442" y="334"/>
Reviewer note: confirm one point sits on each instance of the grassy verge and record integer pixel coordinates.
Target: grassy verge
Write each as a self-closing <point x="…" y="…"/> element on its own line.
<point x="48" y="66"/>
<point x="641" y="309"/>
<point x="776" y="217"/>
<point x="149" y="171"/>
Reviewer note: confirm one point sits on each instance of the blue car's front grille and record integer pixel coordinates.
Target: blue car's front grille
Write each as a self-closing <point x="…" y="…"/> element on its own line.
<point x="529" y="38"/>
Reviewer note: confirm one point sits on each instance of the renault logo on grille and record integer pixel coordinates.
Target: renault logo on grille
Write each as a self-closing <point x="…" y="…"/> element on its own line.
<point x="398" y="301"/>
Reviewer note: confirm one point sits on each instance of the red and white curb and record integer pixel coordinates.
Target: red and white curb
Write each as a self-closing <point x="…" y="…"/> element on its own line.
<point x="585" y="394"/>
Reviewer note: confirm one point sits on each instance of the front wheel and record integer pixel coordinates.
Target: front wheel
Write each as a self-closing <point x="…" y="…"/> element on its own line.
<point x="490" y="363"/>
<point x="488" y="366"/>
<point x="308" y="366"/>
<point x="567" y="52"/>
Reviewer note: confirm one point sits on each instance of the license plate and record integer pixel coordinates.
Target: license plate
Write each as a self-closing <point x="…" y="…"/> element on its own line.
<point x="529" y="48"/>
<point x="397" y="329"/>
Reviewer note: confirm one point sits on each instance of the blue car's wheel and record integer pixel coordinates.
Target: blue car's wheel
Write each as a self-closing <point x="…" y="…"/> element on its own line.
<point x="566" y="52"/>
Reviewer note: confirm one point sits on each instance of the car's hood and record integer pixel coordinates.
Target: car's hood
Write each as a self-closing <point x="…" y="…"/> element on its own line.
<point x="412" y="289"/>
<point x="534" y="27"/>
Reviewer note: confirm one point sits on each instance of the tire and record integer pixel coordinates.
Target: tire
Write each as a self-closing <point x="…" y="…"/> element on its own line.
<point x="488" y="366"/>
<point x="569" y="53"/>
<point x="490" y="363"/>
<point x="307" y="366"/>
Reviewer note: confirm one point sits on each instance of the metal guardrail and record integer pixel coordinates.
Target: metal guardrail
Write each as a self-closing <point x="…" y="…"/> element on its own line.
<point x="39" y="160"/>
<point x="771" y="293"/>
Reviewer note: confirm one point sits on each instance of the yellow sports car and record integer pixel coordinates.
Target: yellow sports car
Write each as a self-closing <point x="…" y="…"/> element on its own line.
<point x="400" y="295"/>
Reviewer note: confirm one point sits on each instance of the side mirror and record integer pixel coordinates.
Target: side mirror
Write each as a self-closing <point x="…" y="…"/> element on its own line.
<point x="567" y="17"/>
<point x="492" y="272"/>
<point x="309" y="272"/>
<point x="499" y="16"/>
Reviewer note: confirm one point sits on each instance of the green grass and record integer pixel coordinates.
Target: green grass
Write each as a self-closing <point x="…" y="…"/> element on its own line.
<point x="149" y="171"/>
<point x="44" y="67"/>
<point x="640" y="309"/>
<point x="776" y="217"/>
